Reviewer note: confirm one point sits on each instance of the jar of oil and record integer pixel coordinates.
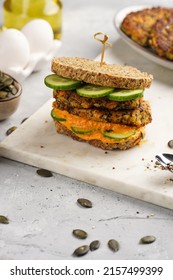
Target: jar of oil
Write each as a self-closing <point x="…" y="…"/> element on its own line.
<point x="17" y="13"/>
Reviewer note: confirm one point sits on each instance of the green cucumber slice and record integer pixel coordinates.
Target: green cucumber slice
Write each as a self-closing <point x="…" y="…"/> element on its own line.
<point x="60" y="83"/>
<point x="118" y="136"/>
<point x="57" y="118"/>
<point x="125" y="94"/>
<point x="94" y="91"/>
<point x="80" y="130"/>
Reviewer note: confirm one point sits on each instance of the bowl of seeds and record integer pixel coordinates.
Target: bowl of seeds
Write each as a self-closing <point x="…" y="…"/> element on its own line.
<point x="10" y="94"/>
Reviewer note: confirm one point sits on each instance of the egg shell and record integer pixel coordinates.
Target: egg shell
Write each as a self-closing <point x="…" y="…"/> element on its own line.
<point x="14" y="50"/>
<point x="39" y="34"/>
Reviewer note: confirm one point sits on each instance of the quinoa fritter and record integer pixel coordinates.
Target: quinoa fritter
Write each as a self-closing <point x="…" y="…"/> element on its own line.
<point x="140" y="116"/>
<point x="72" y="98"/>
<point x="137" y="25"/>
<point x="161" y="37"/>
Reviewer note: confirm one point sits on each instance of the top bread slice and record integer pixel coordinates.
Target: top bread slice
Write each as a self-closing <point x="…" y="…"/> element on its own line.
<point x="110" y="75"/>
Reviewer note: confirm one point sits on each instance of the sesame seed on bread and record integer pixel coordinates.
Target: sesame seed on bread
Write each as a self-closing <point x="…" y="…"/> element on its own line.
<point x="111" y="75"/>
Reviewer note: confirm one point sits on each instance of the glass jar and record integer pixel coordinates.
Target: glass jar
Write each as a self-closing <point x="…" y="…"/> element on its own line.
<point x="18" y="12"/>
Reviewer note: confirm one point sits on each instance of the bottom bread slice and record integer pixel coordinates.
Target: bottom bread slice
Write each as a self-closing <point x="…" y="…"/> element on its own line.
<point x="112" y="144"/>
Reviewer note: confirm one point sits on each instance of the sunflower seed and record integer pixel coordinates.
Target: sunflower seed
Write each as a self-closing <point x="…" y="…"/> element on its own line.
<point x="85" y="202"/>
<point x="4" y="220"/>
<point x="80" y="251"/>
<point x="147" y="239"/>
<point x="94" y="245"/>
<point x="79" y="233"/>
<point x="170" y="144"/>
<point x="10" y="130"/>
<point x="113" y="245"/>
<point x="44" y="173"/>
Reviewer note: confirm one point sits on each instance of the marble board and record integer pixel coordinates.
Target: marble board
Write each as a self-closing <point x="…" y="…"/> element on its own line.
<point x="131" y="172"/>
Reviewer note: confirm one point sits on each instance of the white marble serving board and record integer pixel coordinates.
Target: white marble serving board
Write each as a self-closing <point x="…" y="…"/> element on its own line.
<point x="131" y="172"/>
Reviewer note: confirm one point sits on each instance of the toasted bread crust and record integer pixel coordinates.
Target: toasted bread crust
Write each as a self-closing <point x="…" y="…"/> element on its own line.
<point x="120" y="145"/>
<point x="111" y="75"/>
<point x="139" y="116"/>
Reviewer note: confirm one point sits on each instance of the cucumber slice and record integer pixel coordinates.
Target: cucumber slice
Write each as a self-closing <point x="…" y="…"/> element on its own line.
<point x="57" y="118"/>
<point x="80" y="130"/>
<point x="60" y="83"/>
<point x="118" y="136"/>
<point x="94" y="91"/>
<point x="125" y="94"/>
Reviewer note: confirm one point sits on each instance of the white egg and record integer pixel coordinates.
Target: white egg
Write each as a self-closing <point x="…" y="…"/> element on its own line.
<point x="39" y="34"/>
<point x="14" y="50"/>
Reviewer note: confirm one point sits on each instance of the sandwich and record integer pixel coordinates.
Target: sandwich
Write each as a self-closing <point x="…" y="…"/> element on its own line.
<point x="101" y="105"/>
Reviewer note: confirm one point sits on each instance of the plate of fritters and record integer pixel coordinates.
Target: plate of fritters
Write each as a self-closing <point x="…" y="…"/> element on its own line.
<point x="148" y="30"/>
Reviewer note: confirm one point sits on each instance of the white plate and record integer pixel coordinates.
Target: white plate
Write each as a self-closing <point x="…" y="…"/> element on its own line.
<point x="145" y="52"/>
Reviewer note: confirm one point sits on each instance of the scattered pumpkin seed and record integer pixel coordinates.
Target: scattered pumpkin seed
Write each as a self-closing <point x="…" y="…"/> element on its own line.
<point x="3" y="220"/>
<point x="80" y="251"/>
<point x="24" y="120"/>
<point x="94" y="245"/>
<point x="44" y="173"/>
<point x="3" y="94"/>
<point x="113" y="245"/>
<point x="10" y="130"/>
<point x="79" y="233"/>
<point x="147" y="239"/>
<point x="170" y="144"/>
<point x="85" y="202"/>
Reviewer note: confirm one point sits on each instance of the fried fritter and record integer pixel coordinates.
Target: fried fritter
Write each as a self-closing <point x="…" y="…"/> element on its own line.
<point x="161" y="37"/>
<point x="72" y="98"/>
<point x="137" y="25"/>
<point x="136" y="117"/>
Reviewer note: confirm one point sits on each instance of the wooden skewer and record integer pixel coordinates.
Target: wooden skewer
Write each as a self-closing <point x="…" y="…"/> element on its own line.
<point x="104" y="42"/>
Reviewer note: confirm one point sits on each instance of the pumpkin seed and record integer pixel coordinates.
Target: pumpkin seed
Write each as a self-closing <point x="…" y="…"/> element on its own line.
<point x="147" y="239"/>
<point x="79" y="233"/>
<point x="44" y="173"/>
<point x="94" y="245"/>
<point x="10" y="130"/>
<point x="113" y="245"/>
<point x="85" y="202"/>
<point x="170" y="144"/>
<point x="3" y="94"/>
<point x="80" y="251"/>
<point x="12" y="89"/>
<point x="3" y="220"/>
<point x="6" y="80"/>
<point x="24" y="120"/>
<point x="7" y="86"/>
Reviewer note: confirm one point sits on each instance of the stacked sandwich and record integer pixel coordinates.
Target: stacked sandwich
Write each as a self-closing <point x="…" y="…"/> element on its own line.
<point x="100" y="105"/>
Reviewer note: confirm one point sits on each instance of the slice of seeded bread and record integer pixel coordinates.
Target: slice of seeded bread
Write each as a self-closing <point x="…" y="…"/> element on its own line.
<point x="111" y="75"/>
<point x="123" y="144"/>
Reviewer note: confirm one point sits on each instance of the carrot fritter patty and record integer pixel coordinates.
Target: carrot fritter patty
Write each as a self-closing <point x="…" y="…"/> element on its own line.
<point x="137" y="25"/>
<point x="76" y="101"/>
<point x="161" y="37"/>
<point x="136" y="117"/>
